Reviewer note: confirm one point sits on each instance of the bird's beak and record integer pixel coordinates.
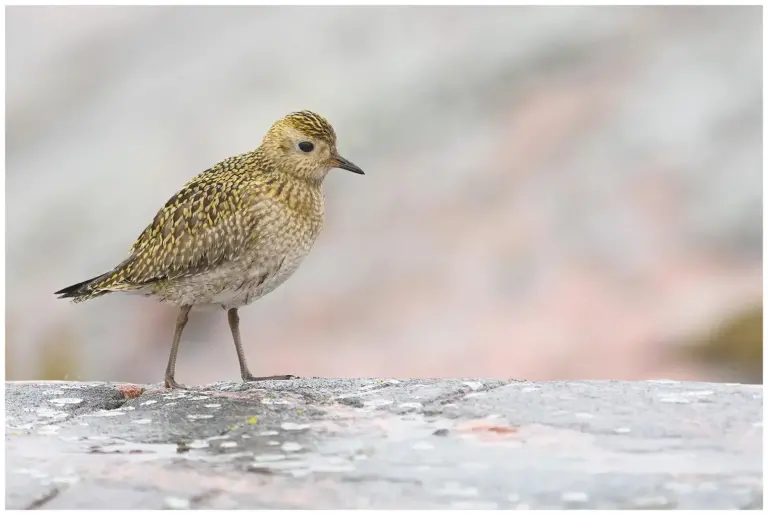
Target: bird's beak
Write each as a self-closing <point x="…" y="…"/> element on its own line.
<point x="340" y="162"/>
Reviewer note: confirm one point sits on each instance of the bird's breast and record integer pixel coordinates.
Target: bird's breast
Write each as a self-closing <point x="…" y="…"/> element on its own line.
<point x="281" y="239"/>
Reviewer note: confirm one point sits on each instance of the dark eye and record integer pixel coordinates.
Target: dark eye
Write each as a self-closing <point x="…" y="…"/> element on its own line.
<point x="306" y="146"/>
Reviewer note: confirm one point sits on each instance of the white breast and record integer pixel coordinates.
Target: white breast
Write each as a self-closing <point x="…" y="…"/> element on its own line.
<point x="256" y="282"/>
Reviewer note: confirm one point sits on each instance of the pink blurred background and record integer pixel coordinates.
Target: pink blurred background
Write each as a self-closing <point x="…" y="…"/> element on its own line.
<point x="552" y="193"/>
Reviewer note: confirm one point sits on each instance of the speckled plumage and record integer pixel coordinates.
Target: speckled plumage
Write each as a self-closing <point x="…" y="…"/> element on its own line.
<point x="230" y="232"/>
<point x="236" y="231"/>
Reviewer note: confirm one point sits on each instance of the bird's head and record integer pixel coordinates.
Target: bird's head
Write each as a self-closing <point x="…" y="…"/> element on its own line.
<point x="304" y="144"/>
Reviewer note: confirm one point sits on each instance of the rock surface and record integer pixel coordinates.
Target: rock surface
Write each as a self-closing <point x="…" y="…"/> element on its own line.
<point x="370" y="443"/>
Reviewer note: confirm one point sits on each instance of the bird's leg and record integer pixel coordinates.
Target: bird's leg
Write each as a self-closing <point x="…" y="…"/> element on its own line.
<point x="234" y="325"/>
<point x="170" y="370"/>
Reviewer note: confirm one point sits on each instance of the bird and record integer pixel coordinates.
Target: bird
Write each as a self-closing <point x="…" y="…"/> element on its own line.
<point x="233" y="233"/>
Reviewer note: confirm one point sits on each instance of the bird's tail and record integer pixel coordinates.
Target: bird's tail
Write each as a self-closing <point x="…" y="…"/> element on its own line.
<point x="95" y="287"/>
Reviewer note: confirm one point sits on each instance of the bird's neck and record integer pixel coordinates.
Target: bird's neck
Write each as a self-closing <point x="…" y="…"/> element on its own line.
<point x="301" y="196"/>
<point x="299" y="191"/>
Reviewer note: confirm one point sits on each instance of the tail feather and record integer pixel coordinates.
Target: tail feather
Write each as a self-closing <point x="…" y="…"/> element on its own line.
<point x="84" y="290"/>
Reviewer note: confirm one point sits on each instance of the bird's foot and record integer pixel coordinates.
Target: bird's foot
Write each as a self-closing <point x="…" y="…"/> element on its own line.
<point x="171" y="383"/>
<point x="248" y="378"/>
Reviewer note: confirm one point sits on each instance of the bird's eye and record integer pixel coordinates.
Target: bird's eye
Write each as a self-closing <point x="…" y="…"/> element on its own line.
<point x="306" y="146"/>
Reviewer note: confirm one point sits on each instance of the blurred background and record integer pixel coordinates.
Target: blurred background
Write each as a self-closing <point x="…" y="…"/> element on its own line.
<point x="551" y="193"/>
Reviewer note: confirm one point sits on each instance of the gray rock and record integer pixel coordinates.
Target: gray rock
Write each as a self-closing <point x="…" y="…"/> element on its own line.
<point x="369" y="443"/>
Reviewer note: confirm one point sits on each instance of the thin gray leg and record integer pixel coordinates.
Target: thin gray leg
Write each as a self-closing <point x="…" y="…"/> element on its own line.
<point x="170" y="370"/>
<point x="234" y="325"/>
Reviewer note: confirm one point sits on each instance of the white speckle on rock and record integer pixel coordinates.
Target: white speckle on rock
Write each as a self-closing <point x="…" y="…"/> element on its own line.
<point x="273" y="442"/>
<point x="574" y="497"/>
<point x="292" y="426"/>
<point x="410" y="405"/>
<point x="378" y="402"/>
<point x="142" y="421"/>
<point x="268" y="433"/>
<point x="66" y="480"/>
<point x="128" y="408"/>
<point x="105" y="413"/>
<point x="177" y="503"/>
<point x="50" y="413"/>
<point x="170" y="404"/>
<point x="245" y="436"/>
<point x="290" y="447"/>
<point x="262" y="458"/>
<point x="458" y="490"/>
<point x="268" y="401"/>
<point x="199" y="398"/>
<point x="329" y="467"/>
<point x="32" y="472"/>
<point x="213" y="405"/>
<point x="147" y="403"/>
<point x="422" y="446"/>
<point x="529" y="389"/>
<point x="674" y="400"/>
<point x="663" y="381"/>
<point x="84" y="424"/>
<point x="699" y="393"/>
<point x="219" y="437"/>
<point x="198" y="444"/>
<point x="53" y="392"/>
<point x="228" y="445"/>
<point x="47" y="430"/>
<point x="392" y="381"/>
<point x="198" y="417"/>
<point x="622" y="430"/>
<point x="584" y="415"/>
<point x="474" y="385"/>
<point x="475" y="394"/>
<point x="74" y="386"/>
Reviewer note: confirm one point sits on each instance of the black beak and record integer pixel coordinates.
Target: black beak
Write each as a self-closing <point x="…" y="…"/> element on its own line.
<point x="348" y="165"/>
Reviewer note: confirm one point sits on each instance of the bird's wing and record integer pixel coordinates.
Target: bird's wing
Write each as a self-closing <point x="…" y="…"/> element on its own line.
<point x="200" y="226"/>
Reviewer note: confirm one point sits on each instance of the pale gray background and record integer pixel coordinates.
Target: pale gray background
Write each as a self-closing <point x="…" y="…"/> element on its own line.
<point x="551" y="192"/>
